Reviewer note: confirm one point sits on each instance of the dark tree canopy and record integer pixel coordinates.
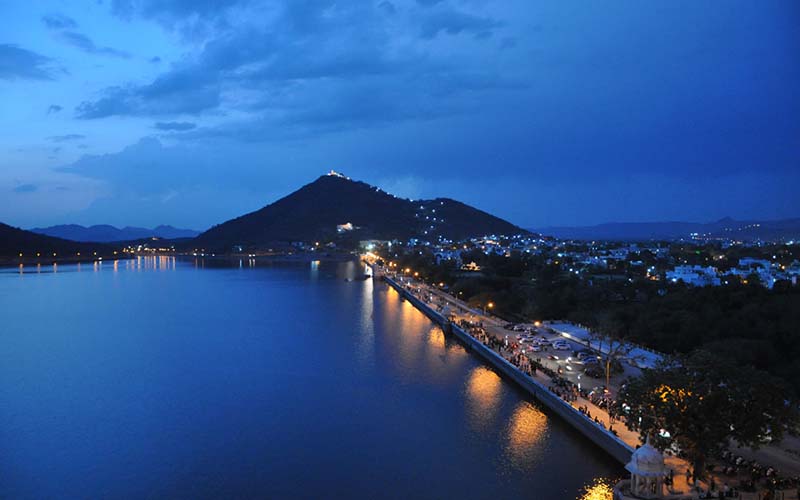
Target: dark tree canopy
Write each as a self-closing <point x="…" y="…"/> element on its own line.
<point x="704" y="403"/>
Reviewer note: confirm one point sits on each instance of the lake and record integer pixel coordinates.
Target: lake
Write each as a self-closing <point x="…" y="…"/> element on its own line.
<point x="165" y="378"/>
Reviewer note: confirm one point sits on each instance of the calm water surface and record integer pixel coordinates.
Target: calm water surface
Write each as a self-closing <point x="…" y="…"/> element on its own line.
<point x="167" y="379"/>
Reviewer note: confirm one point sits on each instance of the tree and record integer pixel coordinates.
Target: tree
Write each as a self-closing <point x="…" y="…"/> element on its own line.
<point x="702" y="403"/>
<point x="609" y="338"/>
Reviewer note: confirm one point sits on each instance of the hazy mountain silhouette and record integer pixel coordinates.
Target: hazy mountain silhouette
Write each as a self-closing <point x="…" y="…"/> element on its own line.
<point x="14" y="241"/>
<point x="785" y="229"/>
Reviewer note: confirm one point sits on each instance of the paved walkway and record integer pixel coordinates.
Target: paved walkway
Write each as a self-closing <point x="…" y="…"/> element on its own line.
<point x="781" y="459"/>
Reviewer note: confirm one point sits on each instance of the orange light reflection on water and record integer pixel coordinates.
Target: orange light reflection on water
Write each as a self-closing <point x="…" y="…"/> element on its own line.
<point x="526" y="431"/>
<point x="483" y="397"/>
<point x="601" y="489"/>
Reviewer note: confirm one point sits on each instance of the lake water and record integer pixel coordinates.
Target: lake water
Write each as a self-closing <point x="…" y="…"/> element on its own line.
<point x="160" y="378"/>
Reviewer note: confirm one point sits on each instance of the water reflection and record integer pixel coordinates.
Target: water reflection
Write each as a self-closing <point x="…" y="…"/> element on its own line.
<point x="366" y="341"/>
<point x="483" y="397"/>
<point x="526" y="433"/>
<point x="436" y="339"/>
<point x="601" y="489"/>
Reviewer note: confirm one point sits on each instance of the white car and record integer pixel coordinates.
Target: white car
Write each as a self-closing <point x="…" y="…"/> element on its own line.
<point x="558" y="346"/>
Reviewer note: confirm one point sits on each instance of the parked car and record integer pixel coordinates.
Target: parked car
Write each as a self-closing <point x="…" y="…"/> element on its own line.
<point x="594" y="371"/>
<point x="561" y="347"/>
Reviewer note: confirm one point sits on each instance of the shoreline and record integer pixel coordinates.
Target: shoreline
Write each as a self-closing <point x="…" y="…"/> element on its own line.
<point x="609" y="443"/>
<point x="13" y="262"/>
<point x="303" y="257"/>
<point x="7" y="262"/>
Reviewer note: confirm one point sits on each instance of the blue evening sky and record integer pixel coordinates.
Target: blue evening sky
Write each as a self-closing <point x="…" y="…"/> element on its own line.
<point x="190" y="112"/>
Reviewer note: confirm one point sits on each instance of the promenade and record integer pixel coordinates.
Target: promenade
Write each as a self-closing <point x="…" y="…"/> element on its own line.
<point x="548" y="369"/>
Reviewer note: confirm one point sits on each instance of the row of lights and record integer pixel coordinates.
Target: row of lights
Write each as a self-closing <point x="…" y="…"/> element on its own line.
<point x="78" y="254"/>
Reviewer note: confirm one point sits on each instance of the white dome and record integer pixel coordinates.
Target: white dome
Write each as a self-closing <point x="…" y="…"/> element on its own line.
<point x="646" y="462"/>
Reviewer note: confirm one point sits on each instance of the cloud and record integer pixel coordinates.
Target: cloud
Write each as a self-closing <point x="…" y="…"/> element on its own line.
<point x="54" y="108"/>
<point x="25" y="188"/>
<point x="66" y="138"/>
<point x="154" y="60"/>
<point x="175" y="92"/>
<point x="18" y="63"/>
<point x="150" y="169"/>
<point x="84" y="43"/>
<point x="194" y="20"/>
<point x="301" y="61"/>
<point x="455" y="22"/>
<point x="170" y="10"/>
<point x="175" y="126"/>
<point x="59" y="22"/>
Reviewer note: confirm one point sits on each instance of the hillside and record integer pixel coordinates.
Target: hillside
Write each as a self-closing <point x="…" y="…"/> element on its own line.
<point x="14" y="241"/>
<point x="106" y="234"/>
<point x="313" y="212"/>
<point x="786" y="229"/>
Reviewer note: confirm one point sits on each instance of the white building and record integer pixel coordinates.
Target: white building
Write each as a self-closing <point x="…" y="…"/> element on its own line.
<point x="694" y="275"/>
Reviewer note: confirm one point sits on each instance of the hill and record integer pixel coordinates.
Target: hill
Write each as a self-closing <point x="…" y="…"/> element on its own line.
<point x="14" y="241"/>
<point x="313" y="213"/>
<point x="106" y="234"/>
<point x="778" y="230"/>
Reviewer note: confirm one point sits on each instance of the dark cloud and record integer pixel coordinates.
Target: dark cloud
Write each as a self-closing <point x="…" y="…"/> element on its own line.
<point x="59" y="22"/>
<point x="18" y="63"/>
<point x="84" y="43"/>
<point x="26" y="188"/>
<point x="155" y="60"/>
<point x="54" y="108"/>
<point x="175" y="126"/>
<point x="177" y="92"/>
<point x="66" y="137"/>
<point x="311" y="48"/>
<point x="428" y="3"/>
<point x="455" y="22"/>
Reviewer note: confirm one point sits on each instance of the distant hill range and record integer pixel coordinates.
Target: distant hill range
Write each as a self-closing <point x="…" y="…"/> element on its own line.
<point x="107" y="234"/>
<point x="15" y="241"/>
<point x="334" y="206"/>
<point x="776" y="230"/>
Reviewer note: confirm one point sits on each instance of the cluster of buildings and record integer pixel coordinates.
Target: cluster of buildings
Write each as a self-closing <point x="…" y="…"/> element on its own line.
<point x="768" y="273"/>
<point x="596" y="260"/>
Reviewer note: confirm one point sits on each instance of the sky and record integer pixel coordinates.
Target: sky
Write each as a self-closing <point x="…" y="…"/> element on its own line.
<point x="547" y="112"/>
